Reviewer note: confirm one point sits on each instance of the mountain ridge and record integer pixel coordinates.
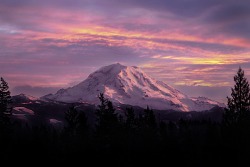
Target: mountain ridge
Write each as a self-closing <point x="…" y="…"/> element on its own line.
<point x="130" y="85"/>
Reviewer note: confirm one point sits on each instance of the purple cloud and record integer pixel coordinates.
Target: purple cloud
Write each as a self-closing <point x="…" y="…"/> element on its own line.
<point x="54" y="43"/>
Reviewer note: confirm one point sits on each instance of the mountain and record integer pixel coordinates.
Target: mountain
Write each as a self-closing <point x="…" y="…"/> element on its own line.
<point x="23" y="98"/>
<point x="130" y="85"/>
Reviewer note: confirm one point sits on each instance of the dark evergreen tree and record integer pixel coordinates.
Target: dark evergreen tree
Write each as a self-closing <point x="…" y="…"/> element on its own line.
<point x="82" y="125"/>
<point x="76" y="121"/>
<point x="149" y="118"/>
<point x="236" y="118"/>
<point x="107" y="119"/>
<point x="71" y="119"/>
<point x="5" y="103"/>
<point x="238" y="105"/>
<point x="108" y="128"/>
<point x="130" y="118"/>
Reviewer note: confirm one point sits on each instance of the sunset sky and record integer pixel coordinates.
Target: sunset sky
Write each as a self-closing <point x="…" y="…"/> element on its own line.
<point x="194" y="45"/>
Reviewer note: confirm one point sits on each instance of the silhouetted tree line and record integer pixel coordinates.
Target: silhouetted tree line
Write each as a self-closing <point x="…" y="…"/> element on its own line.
<point x="133" y="139"/>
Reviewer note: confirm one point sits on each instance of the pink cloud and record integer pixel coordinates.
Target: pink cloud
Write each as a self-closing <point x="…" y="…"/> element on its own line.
<point x="58" y="43"/>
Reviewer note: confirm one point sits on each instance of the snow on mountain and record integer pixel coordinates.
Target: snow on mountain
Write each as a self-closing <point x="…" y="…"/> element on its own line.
<point x="54" y="121"/>
<point x="130" y="85"/>
<point x="23" y="110"/>
<point x="23" y="98"/>
<point x="28" y="97"/>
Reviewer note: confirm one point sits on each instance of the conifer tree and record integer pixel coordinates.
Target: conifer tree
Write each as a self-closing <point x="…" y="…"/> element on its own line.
<point x="76" y="121"/>
<point x="71" y="117"/>
<point x="238" y="105"/>
<point x="149" y="117"/>
<point x="5" y="102"/>
<point x="107" y="119"/>
<point x="130" y="118"/>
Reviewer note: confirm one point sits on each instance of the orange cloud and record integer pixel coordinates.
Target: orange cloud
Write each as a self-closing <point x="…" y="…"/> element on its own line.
<point x="175" y="47"/>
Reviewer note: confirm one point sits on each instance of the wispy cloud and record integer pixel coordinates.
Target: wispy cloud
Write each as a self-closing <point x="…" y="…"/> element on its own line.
<point x="182" y="42"/>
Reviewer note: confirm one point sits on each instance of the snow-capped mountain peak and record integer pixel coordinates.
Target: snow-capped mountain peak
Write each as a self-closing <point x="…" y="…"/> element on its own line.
<point x="130" y="85"/>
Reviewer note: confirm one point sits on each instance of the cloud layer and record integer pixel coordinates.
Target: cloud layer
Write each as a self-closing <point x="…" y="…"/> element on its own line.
<point x="185" y="43"/>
